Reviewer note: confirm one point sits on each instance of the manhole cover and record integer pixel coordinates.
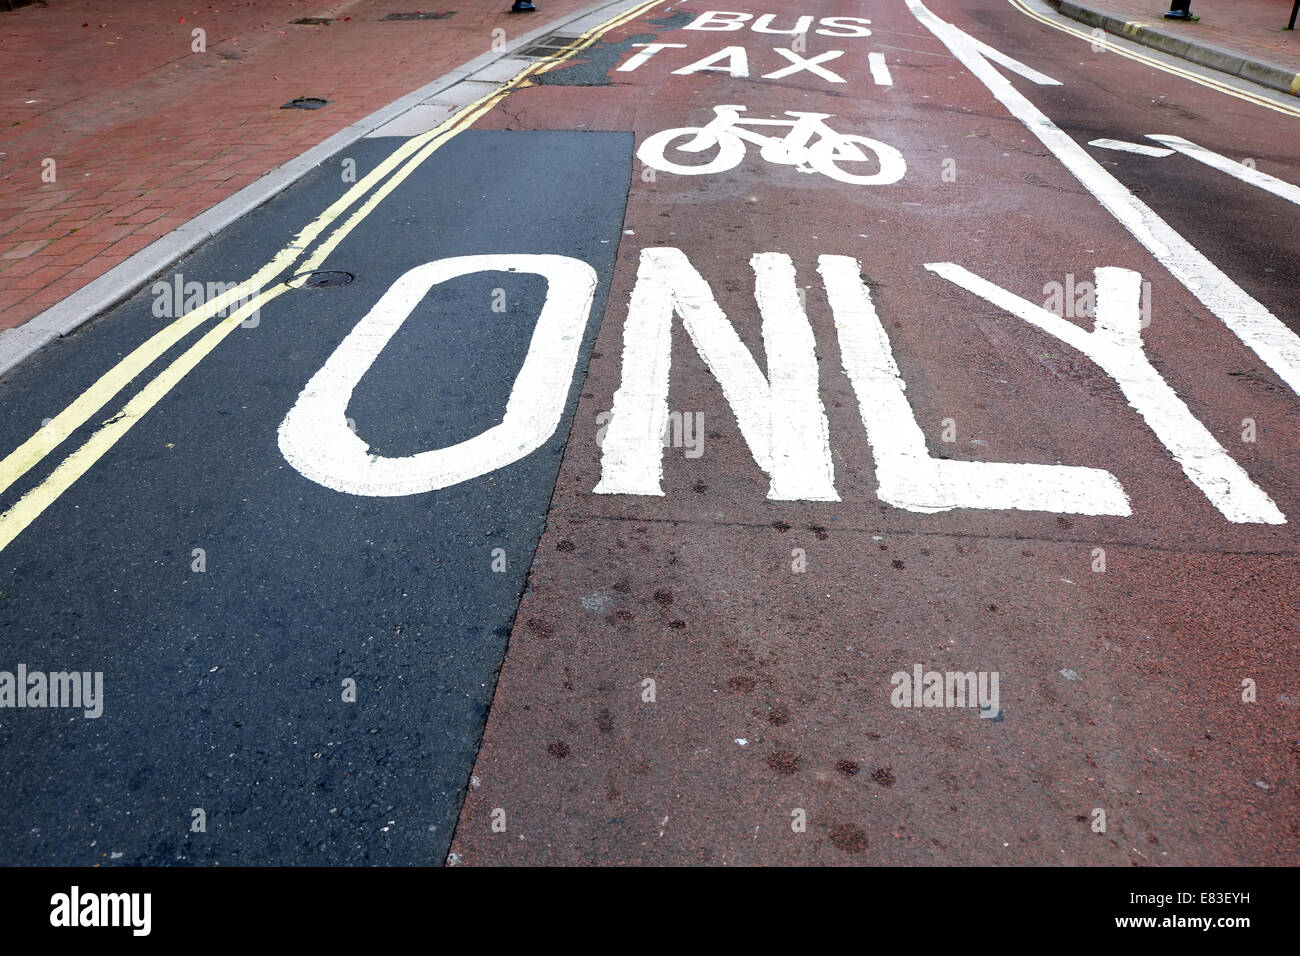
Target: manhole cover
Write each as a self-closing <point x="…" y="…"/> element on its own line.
<point x="305" y="103"/>
<point x="322" y="280"/>
<point x="418" y="16"/>
<point x="549" y="47"/>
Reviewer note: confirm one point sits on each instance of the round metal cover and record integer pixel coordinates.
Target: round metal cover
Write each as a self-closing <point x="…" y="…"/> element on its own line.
<point x="324" y="280"/>
<point x="305" y="103"/>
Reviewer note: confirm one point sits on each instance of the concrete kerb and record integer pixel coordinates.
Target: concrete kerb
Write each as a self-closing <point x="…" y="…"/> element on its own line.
<point x="1194" y="50"/>
<point x="122" y="281"/>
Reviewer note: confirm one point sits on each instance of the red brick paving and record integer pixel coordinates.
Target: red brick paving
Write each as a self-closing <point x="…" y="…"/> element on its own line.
<point x="146" y="134"/>
<point x="1254" y="28"/>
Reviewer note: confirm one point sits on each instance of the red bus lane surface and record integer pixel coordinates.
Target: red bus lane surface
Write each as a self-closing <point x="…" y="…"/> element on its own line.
<point x="933" y="490"/>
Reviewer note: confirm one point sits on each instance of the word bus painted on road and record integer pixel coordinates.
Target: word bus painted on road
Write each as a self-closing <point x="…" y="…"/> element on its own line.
<point x="734" y="60"/>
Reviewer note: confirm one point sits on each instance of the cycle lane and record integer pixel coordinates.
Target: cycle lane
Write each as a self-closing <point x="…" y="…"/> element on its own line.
<point x="770" y="625"/>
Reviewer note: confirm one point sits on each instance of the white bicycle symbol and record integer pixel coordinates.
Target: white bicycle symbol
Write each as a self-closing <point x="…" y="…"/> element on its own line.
<point x="797" y="148"/>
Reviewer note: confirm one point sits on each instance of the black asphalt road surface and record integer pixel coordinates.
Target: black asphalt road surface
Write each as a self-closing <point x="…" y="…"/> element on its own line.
<point x="224" y="688"/>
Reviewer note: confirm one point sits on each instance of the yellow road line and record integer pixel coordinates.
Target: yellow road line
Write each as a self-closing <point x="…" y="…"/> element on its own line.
<point x="1157" y="64"/>
<point x="29" y="453"/>
<point x="414" y="152"/>
<point x="14" y="521"/>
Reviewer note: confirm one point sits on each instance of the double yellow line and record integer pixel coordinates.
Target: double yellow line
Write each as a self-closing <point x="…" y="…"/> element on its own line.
<point x="246" y="298"/>
<point x="1206" y="81"/>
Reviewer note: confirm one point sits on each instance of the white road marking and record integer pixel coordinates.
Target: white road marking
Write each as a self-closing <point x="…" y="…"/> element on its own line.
<point x="1123" y="146"/>
<point x="879" y="70"/>
<point x="713" y="20"/>
<point x="315" y="438"/>
<point x="1223" y="164"/>
<point x="764" y="25"/>
<point x="800" y="64"/>
<point x="737" y="63"/>
<point x="809" y="145"/>
<point x="1115" y="344"/>
<point x="647" y="50"/>
<point x="782" y="421"/>
<point x="1276" y="345"/>
<point x="908" y="477"/>
<point x="1015" y="66"/>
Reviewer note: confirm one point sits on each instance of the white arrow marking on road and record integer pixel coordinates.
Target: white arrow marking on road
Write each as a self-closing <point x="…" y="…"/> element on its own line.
<point x="782" y="421"/>
<point x="1261" y="331"/>
<point x="316" y="440"/>
<point x="908" y="477"/>
<point x="1122" y="146"/>
<point x="1014" y="65"/>
<point x="1223" y="164"/>
<point x="1115" y="344"/>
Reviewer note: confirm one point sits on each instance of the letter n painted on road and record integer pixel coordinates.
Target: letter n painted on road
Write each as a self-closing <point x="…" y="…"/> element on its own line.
<point x="315" y="437"/>
<point x="781" y="417"/>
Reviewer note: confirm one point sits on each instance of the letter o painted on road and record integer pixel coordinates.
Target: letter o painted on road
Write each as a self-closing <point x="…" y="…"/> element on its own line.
<point x="316" y="440"/>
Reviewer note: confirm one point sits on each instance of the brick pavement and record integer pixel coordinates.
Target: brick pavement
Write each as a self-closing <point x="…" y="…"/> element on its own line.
<point x="145" y="133"/>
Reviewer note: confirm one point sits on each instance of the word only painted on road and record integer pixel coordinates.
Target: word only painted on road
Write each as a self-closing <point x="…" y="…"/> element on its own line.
<point x="780" y="415"/>
<point x="789" y="60"/>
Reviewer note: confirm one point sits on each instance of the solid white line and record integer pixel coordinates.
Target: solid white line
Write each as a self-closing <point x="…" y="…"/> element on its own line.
<point x="1122" y="146"/>
<point x="1223" y="164"/>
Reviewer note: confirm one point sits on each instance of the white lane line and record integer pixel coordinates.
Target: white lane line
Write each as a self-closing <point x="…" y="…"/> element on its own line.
<point x="1261" y="331"/>
<point x="1015" y="66"/>
<point x="908" y="477"/>
<point x="782" y="421"/>
<point x="1223" y="164"/>
<point x="879" y="70"/>
<point x="315" y="438"/>
<point x="1122" y="146"/>
<point x="1115" y="344"/>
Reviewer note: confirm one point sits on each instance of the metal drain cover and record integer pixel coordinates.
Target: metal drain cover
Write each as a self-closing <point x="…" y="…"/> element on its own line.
<point x="313" y="21"/>
<point x="549" y="47"/>
<point x="323" y="279"/>
<point x="418" y="16"/>
<point x="305" y="103"/>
